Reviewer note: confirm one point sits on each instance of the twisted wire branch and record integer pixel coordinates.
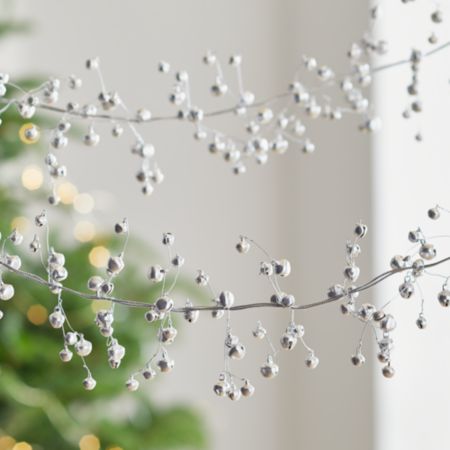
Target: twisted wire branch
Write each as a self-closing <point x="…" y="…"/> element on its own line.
<point x="215" y="113"/>
<point x="139" y="304"/>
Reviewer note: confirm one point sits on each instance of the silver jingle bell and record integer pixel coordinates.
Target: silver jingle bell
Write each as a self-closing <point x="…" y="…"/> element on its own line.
<point x="366" y="312"/>
<point x="13" y="261"/>
<point x="383" y="357"/>
<point x="156" y="273"/>
<point x="83" y="347"/>
<point x="388" y="323"/>
<point x="358" y="359"/>
<point x="352" y="273"/>
<point x="312" y="361"/>
<point x="167" y="335"/>
<point x="6" y="291"/>
<point x="116" y="351"/>
<point x="177" y="261"/>
<point x="406" y="289"/>
<point x="418" y="267"/>
<point x="259" y="332"/>
<point x="132" y="384"/>
<point x="165" y="365"/>
<point x="89" y="383"/>
<point x="168" y="239"/>
<point x="237" y="351"/>
<point x="121" y="227"/>
<point x="247" y="390"/>
<point x="164" y="304"/>
<point x="70" y="338"/>
<point x="107" y="287"/>
<point x="444" y="297"/>
<point x="347" y="308"/>
<point x="243" y="246"/>
<point x="288" y="341"/>
<point x="115" y="265"/>
<point x="388" y="371"/>
<point x="148" y="373"/>
<point x="397" y="262"/>
<point x="415" y="236"/>
<point x="226" y="299"/>
<point x="217" y="313"/>
<point x="234" y="394"/>
<point x="56" y="318"/>
<point x="114" y="363"/>
<point x="269" y="369"/>
<point x="287" y="301"/>
<point x="266" y="268"/>
<point x="360" y="230"/>
<point x="152" y="315"/>
<point x="65" y="354"/>
<point x="106" y="331"/>
<point x="421" y="322"/>
<point x="221" y="388"/>
<point x="434" y="213"/>
<point x="335" y="291"/>
<point x="57" y="259"/>
<point x="191" y="315"/>
<point x="427" y="251"/>
<point x="282" y="267"/>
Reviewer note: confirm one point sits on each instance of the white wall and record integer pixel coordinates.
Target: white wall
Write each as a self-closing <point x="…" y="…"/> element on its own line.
<point x="300" y="207"/>
<point x="413" y="409"/>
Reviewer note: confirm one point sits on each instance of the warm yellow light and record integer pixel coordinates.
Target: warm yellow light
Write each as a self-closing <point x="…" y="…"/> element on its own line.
<point x="67" y="192"/>
<point x="84" y="231"/>
<point x="99" y="256"/>
<point x="100" y="304"/>
<point x="37" y="314"/>
<point x="32" y="178"/>
<point x="83" y="203"/>
<point x="29" y="133"/>
<point x="22" y="446"/>
<point x="21" y="224"/>
<point x="89" y="442"/>
<point x="7" y="443"/>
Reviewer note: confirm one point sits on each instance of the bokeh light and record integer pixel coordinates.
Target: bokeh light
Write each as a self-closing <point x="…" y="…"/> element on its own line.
<point x="22" y="446"/>
<point x="37" y="314"/>
<point x="21" y="224"/>
<point x="32" y="178"/>
<point x="67" y="192"/>
<point x="29" y="133"/>
<point x="84" y="231"/>
<point x="7" y="443"/>
<point x="83" y="203"/>
<point x="89" y="442"/>
<point x="99" y="256"/>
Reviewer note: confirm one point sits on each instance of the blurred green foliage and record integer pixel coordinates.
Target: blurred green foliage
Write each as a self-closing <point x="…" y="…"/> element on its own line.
<point x="42" y="400"/>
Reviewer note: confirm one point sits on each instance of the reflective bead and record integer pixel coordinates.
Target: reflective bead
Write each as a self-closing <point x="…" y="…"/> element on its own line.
<point x="226" y="299"/>
<point x="65" y="354"/>
<point x="269" y="369"/>
<point x="406" y="289"/>
<point x="358" y="359"/>
<point x="89" y="383"/>
<point x="427" y="251"/>
<point x="164" y="304"/>
<point x="132" y="384"/>
<point x="388" y="371"/>
<point x="444" y="297"/>
<point x="56" y="318"/>
<point x="247" y="390"/>
<point x="312" y="361"/>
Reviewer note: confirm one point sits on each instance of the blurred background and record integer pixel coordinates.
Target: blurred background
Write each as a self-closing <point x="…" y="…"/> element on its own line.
<point x="300" y="207"/>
